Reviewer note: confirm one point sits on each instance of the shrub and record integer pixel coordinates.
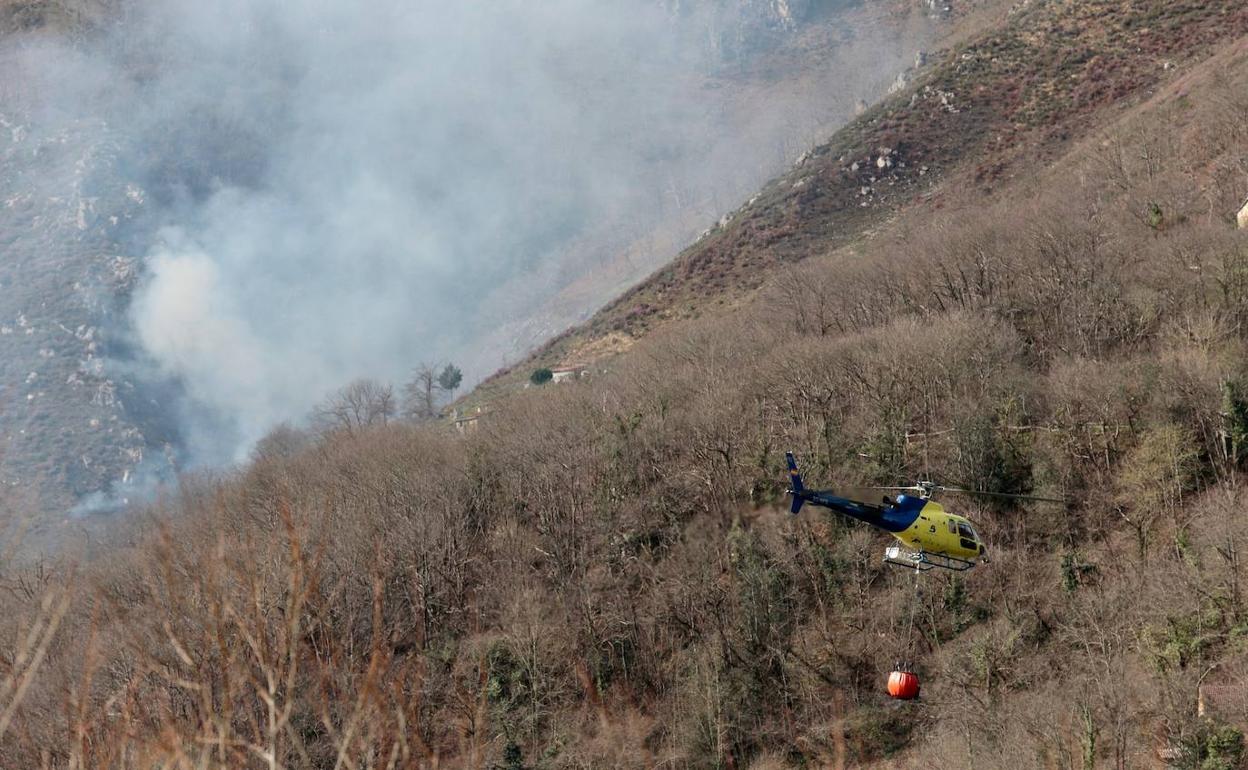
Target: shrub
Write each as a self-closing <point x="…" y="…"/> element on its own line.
<point x="1213" y="747"/>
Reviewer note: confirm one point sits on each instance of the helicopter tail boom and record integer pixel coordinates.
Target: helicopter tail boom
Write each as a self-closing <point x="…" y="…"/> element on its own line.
<point x="797" y="488"/>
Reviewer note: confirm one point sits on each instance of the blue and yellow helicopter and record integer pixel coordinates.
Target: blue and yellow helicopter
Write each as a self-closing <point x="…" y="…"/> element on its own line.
<point x="929" y="535"/>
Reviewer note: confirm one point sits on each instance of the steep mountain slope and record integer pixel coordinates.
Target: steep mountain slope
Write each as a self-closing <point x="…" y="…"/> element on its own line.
<point x="1012" y="95"/>
<point x="803" y="89"/>
<point x="780" y="94"/>
<point x="604" y="573"/>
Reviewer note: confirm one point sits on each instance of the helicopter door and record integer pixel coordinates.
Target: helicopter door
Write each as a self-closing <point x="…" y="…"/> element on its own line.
<point x="967" y="535"/>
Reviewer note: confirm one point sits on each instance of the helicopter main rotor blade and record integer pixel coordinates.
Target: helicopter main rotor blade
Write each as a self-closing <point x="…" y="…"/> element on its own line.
<point x="897" y="489"/>
<point x="1003" y="494"/>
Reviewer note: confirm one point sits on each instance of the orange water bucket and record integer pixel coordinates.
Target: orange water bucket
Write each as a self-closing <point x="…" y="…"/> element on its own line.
<point x="903" y="685"/>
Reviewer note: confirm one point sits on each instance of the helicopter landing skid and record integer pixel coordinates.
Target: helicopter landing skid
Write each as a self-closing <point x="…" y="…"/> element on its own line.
<point x="922" y="561"/>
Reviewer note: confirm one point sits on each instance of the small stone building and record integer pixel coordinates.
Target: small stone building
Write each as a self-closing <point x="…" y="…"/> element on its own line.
<point x="467" y="423"/>
<point x="567" y="373"/>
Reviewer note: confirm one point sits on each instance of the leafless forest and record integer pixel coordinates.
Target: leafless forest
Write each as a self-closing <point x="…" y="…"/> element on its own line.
<point x="604" y="574"/>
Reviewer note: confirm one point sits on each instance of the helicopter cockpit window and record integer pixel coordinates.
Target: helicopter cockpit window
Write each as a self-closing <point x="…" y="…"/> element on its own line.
<point x="953" y="527"/>
<point x="964" y="530"/>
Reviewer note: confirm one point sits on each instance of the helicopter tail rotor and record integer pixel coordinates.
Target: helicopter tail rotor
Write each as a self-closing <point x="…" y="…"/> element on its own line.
<point x="797" y="489"/>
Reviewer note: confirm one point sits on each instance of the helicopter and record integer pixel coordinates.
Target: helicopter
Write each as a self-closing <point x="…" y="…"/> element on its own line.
<point x="929" y="536"/>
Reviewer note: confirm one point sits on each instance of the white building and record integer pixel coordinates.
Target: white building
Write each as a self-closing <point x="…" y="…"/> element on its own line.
<point x="568" y="373"/>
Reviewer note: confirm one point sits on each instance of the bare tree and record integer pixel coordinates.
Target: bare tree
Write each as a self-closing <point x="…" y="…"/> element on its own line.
<point x="284" y="440"/>
<point x="420" y="400"/>
<point x="358" y="405"/>
<point x="428" y="383"/>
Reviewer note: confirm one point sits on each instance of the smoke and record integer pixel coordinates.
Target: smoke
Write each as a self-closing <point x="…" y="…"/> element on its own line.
<point x="335" y="190"/>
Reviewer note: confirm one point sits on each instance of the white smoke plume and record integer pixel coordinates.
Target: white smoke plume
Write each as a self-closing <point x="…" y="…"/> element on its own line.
<point x="337" y="189"/>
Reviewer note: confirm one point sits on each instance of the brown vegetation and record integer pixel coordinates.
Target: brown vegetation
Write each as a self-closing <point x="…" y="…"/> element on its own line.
<point x="600" y="575"/>
<point x="982" y="114"/>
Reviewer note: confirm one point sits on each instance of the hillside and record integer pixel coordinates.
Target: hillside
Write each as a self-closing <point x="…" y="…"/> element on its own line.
<point x="980" y="113"/>
<point x="604" y="573"/>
